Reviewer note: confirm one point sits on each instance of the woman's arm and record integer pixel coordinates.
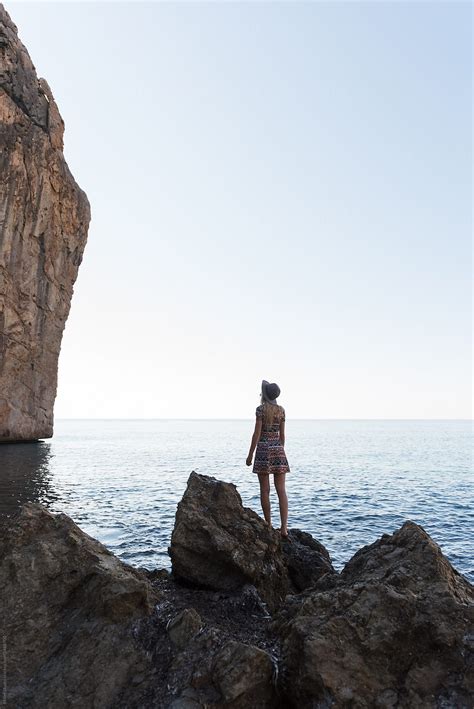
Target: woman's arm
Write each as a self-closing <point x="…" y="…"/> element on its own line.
<point x="255" y="440"/>
<point x="282" y="432"/>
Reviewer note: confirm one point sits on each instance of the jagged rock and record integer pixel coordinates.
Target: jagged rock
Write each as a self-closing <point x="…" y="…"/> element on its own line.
<point x="183" y="627"/>
<point x="306" y="558"/>
<point x="215" y="671"/>
<point x="244" y="676"/>
<point x="68" y="610"/>
<point x="192" y="668"/>
<point x="44" y="218"/>
<point x="82" y="629"/>
<point x="217" y="543"/>
<point x="395" y="629"/>
<point x="248" y="600"/>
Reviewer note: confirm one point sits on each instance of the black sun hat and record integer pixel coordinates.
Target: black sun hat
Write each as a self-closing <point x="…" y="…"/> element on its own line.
<point x="270" y="392"/>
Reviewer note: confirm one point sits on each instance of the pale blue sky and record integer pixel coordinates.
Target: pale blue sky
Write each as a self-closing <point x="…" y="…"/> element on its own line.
<point x="278" y="191"/>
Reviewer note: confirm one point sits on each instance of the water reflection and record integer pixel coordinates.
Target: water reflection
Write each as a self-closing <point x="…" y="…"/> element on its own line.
<point x="25" y="475"/>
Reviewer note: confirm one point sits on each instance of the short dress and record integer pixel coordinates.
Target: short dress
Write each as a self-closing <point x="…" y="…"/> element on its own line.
<point x="270" y="455"/>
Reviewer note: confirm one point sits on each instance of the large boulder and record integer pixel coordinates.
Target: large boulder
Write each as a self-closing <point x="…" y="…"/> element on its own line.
<point x="82" y="629"/>
<point x="395" y="629"/>
<point x="68" y="610"/>
<point x="219" y="544"/>
<point x="44" y="218"/>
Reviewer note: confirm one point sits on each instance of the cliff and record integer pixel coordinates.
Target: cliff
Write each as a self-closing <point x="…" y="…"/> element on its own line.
<point x="44" y="218"/>
<point x="244" y="620"/>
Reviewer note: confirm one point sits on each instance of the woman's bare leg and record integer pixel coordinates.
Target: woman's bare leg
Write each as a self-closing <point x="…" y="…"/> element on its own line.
<point x="265" y="497"/>
<point x="279" y="480"/>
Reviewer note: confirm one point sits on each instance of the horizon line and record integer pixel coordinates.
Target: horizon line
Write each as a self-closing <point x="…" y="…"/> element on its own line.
<point x="185" y="418"/>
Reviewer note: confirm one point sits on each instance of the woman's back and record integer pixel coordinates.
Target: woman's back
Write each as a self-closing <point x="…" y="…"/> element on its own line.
<point x="271" y="416"/>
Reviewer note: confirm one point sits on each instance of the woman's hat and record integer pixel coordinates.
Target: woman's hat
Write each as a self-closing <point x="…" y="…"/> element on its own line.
<point x="270" y="391"/>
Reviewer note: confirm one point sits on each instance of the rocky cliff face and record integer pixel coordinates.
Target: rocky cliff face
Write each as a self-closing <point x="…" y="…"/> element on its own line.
<point x="44" y="217"/>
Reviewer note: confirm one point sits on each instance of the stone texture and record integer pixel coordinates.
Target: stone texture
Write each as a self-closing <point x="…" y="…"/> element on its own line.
<point x="44" y="218"/>
<point x="215" y="671"/>
<point x="183" y="627"/>
<point x="68" y="610"/>
<point x="82" y="629"/>
<point x="307" y="559"/>
<point x="244" y="676"/>
<point x="217" y="543"/>
<point x="395" y="629"/>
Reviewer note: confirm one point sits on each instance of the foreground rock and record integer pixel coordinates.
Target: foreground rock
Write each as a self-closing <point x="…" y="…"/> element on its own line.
<point x="68" y="607"/>
<point x="214" y="671"/>
<point x="82" y="629"/>
<point x="395" y="629"/>
<point x="44" y="218"/>
<point x="217" y="543"/>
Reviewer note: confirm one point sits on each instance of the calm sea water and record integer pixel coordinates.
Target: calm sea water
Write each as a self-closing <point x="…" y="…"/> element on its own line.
<point x="350" y="481"/>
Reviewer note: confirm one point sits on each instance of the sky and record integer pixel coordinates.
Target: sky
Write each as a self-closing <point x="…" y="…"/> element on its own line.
<point x="279" y="191"/>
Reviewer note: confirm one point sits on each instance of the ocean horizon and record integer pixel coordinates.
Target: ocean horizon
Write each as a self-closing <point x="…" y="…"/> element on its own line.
<point x="350" y="480"/>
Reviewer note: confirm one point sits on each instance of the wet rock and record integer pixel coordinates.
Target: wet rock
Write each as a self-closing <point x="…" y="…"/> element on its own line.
<point x="68" y="611"/>
<point x="219" y="544"/>
<point x="44" y="218"/>
<point x="183" y="627"/>
<point x="392" y="630"/>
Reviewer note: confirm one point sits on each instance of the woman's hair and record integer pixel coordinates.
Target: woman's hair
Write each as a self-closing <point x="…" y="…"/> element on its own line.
<point x="269" y="411"/>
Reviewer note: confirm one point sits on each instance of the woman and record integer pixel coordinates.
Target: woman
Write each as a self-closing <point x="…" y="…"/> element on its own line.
<point x="270" y="457"/>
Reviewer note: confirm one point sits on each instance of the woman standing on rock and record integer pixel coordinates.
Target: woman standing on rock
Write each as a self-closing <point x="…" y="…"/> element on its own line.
<point x="269" y="439"/>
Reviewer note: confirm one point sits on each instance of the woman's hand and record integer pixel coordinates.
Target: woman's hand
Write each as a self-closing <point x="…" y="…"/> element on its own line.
<point x="249" y="460"/>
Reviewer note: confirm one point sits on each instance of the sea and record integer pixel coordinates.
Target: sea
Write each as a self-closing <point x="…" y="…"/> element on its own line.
<point x="350" y="480"/>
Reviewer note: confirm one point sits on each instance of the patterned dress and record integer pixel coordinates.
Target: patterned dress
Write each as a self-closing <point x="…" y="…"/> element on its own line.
<point x="270" y="455"/>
